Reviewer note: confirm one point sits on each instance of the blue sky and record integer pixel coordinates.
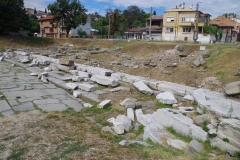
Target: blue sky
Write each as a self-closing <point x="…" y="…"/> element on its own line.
<point x="213" y="7"/>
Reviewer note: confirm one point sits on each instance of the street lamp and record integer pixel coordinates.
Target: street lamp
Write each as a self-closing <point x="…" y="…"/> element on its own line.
<point x="195" y="35"/>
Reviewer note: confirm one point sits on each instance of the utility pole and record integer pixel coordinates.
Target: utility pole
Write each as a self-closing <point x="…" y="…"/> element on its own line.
<point x="195" y="35"/>
<point x="109" y="19"/>
<point x="150" y="28"/>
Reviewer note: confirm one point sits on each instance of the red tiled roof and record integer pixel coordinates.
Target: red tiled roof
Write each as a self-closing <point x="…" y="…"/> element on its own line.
<point x="155" y="17"/>
<point x="46" y="18"/>
<point x="222" y="25"/>
<point x="136" y="30"/>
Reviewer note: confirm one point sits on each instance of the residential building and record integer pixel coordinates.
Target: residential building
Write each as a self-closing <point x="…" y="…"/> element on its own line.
<point x="179" y="25"/>
<point x="85" y="27"/>
<point x="156" y="27"/>
<point x="49" y="30"/>
<point x="144" y="33"/>
<point x="135" y="33"/>
<point x="230" y="27"/>
<point x="29" y="11"/>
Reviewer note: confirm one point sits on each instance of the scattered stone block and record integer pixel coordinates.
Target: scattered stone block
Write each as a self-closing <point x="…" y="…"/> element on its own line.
<point x="104" y="104"/>
<point x="126" y="122"/>
<point x="232" y="88"/>
<point x="181" y="123"/>
<point x="44" y="79"/>
<point x="155" y="132"/>
<point x="206" y="53"/>
<point x="188" y="98"/>
<point x="179" y="47"/>
<point x="224" y="145"/>
<point x="2" y="58"/>
<point x="230" y="128"/>
<point x="178" y="144"/>
<point x="119" y="129"/>
<point x="76" y="78"/>
<point x="202" y="48"/>
<point x="84" y="74"/>
<point x="77" y="94"/>
<point x="195" y="146"/>
<point x="143" y="88"/>
<point x="72" y="86"/>
<point x="187" y="110"/>
<point x="133" y="142"/>
<point x="199" y="120"/>
<point x="130" y="113"/>
<point x="63" y="68"/>
<point x="199" y="61"/>
<point x="107" y="129"/>
<point x="237" y="73"/>
<point x="87" y="87"/>
<point x="66" y="62"/>
<point x="87" y="105"/>
<point x="103" y="80"/>
<point x="33" y="74"/>
<point x="166" y="98"/>
<point x="48" y="69"/>
<point x="24" y="59"/>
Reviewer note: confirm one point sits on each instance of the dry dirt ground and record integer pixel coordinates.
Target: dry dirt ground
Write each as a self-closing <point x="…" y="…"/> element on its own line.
<point x="71" y="135"/>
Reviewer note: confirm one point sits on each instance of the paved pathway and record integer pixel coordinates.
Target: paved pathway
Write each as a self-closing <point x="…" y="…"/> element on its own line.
<point x="22" y="92"/>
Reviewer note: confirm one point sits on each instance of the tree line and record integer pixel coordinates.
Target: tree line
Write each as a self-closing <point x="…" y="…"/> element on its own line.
<point x="69" y="14"/>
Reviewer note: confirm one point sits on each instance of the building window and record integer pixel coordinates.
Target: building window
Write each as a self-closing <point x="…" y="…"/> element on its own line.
<point x="237" y="28"/>
<point x="187" y="19"/>
<point x="186" y="30"/>
<point x="169" y="29"/>
<point x="170" y="19"/>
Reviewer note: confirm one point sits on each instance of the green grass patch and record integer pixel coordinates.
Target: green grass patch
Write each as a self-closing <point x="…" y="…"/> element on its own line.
<point x="2" y="49"/>
<point x="204" y="126"/>
<point x="226" y="140"/>
<point x="156" y="151"/>
<point x="97" y="111"/>
<point x="2" y="98"/>
<point x="16" y="154"/>
<point x="52" y="116"/>
<point x="73" y="148"/>
<point x="161" y="105"/>
<point x="9" y="138"/>
<point x="68" y="139"/>
<point x="87" y="100"/>
<point x="194" y="103"/>
<point x="1" y="115"/>
<point x="102" y="122"/>
<point x="178" y="135"/>
<point x="221" y="75"/>
<point x="61" y="74"/>
<point x="209" y="148"/>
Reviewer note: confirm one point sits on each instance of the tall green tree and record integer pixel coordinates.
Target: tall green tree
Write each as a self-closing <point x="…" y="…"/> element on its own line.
<point x="118" y="22"/>
<point x="13" y="16"/>
<point x="68" y="14"/>
<point x="133" y="13"/>
<point x="34" y="26"/>
<point x="154" y="13"/>
<point x="35" y="11"/>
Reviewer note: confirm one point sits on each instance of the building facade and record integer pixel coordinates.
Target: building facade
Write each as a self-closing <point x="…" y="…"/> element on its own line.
<point x="179" y="24"/>
<point x="49" y="30"/>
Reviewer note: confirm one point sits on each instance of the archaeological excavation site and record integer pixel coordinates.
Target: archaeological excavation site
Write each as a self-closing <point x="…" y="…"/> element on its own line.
<point x="118" y="99"/>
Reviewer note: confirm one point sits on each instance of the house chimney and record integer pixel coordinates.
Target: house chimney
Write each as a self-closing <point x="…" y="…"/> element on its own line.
<point x="183" y="5"/>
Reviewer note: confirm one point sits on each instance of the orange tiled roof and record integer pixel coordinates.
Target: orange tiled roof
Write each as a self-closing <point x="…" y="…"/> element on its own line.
<point x="46" y="18"/>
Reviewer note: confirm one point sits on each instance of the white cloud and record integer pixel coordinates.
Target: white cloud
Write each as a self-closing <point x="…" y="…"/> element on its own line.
<point x="38" y="4"/>
<point x="213" y="7"/>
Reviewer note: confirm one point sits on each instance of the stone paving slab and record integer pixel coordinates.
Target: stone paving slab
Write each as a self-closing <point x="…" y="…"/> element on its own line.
<point x="13" y="102"/>
<point x="46" y="101"/>
<point x="23" y="100"/>
<point x="24" y="107"/>
<point x="53" y="107"/>
<point x="73" y="104"/>
<point x="7" y="113"/>
<point x="4" y="106"/>
<point x="26" y="94"/>
<point x="56" y="91"/>
<point x="8" y="86"/>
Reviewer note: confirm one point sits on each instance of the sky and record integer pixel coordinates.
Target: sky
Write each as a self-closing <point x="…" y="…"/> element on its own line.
<point x="213" y="7"/>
